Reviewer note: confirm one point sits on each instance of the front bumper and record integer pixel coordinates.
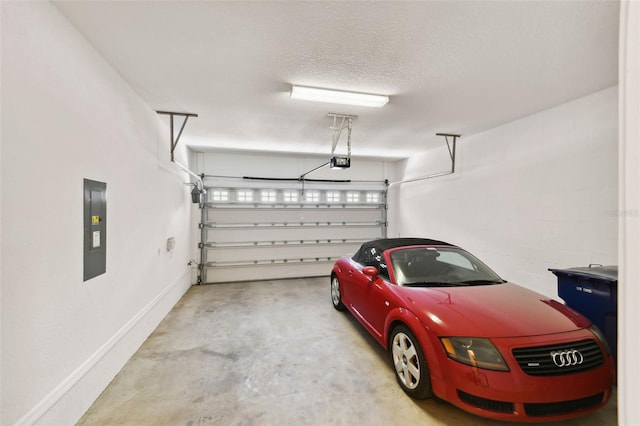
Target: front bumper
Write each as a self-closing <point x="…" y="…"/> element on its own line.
<point x="517" y="396"/>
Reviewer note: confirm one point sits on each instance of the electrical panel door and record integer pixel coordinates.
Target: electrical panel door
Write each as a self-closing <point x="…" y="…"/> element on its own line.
<point x="95" y="228"/>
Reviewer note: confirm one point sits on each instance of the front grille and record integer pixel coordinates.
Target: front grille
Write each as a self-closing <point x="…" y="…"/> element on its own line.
<point x="564" y="407"/>
<point x="487" y="404"/>
<point x="539" y="361"/>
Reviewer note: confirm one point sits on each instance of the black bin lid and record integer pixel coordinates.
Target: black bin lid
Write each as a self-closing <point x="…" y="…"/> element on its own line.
<point x="598" y="272"/>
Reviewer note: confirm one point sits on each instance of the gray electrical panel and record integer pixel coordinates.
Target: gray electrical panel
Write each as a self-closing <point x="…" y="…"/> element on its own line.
<point x="95" y="228"/>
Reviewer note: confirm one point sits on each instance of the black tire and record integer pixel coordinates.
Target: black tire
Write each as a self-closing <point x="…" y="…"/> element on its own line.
<point x="336" y="294"/>
<point x="409" y="363"/>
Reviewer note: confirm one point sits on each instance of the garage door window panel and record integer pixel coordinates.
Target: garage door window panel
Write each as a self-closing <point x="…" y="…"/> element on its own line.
<point x="244" y="196"/>
<point x="353" y="197"/>
<point x="290" y="196"/>
<point x="372" y="197"/>
<point x="219" y="195"/>
<point x="268" y="196"/>
<point x="333" y="197"/>
<point x="312" y="197"/>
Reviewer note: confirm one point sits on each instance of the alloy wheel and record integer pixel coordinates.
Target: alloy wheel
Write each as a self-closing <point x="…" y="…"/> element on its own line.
<point x="405" y="360"/>
<point x="336" y="294"/>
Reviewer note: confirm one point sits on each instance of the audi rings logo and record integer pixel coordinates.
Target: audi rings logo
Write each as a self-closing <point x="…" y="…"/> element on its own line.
<point x="567" y="358"/>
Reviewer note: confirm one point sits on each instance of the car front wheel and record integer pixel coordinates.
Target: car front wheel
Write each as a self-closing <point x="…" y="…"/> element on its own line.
<point x="336" y="294"/>
<point x="410" y="364"/>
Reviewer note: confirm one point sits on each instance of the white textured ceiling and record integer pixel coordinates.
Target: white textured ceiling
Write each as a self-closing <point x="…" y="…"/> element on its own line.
<point x="448" y="66"/>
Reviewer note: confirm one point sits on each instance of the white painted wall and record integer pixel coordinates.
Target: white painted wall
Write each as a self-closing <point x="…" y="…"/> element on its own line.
<point x="629" y="214"/>
<point x="537" y="193"/>
<point x="67" y="115"/>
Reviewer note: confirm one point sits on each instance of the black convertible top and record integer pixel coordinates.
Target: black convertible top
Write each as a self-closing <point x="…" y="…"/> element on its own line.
<point x="370" y="253"/>
<point x="387" y="243"/>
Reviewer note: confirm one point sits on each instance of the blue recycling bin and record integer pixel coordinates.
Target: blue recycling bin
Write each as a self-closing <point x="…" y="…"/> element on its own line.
<point x="593" y="292"/>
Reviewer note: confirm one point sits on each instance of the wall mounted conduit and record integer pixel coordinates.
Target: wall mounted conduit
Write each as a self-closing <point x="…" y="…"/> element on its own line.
<point x="451" y="146"/>
<point x="199" y="190"/>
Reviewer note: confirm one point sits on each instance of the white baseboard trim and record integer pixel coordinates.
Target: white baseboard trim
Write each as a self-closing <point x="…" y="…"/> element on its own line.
<point x="178" y="287"/>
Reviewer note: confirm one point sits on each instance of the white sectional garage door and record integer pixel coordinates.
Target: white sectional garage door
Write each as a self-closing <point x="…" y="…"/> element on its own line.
<point x="269" y="229"/>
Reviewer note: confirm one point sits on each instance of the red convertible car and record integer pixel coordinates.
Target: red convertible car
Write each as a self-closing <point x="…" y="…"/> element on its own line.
<point x="456" y="330"/>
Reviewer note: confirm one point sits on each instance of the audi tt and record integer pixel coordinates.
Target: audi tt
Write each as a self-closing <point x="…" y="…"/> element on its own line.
<point x="457" y="331"/>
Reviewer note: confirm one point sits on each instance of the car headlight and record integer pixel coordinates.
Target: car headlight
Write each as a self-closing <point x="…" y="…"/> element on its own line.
<point x="595" y="330"/>
<point x="477" y="352"/>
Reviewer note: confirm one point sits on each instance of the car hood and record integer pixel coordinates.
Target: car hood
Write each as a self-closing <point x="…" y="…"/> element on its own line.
<point x="499" y="310"/>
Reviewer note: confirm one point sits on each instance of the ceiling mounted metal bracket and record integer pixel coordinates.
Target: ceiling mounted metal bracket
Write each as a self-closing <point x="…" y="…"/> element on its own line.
<point x="451" y="147"/>
<point x="174" y="139"/>
<point x="341" y="122"/>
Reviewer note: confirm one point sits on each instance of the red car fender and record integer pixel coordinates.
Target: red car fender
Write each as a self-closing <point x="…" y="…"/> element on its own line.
<point x="337" y="271"/>
<point x="406" y="317"/>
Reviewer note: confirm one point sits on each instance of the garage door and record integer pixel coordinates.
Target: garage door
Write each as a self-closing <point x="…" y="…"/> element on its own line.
<point x="268" y="229"/>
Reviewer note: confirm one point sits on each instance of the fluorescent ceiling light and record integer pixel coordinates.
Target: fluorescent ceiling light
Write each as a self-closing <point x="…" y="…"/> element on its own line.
<point x="337" y="96"/>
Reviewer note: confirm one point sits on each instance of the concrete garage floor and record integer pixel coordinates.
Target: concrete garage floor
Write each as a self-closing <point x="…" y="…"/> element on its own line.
<point x="269" y="353"/>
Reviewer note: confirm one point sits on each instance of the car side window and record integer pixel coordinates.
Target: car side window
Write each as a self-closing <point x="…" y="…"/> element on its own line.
<point x="359" y="256"/>
<point x="373" y="257"/>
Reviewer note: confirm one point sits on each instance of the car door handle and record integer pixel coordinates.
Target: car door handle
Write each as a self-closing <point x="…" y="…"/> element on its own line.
<point x="350" y="272"/>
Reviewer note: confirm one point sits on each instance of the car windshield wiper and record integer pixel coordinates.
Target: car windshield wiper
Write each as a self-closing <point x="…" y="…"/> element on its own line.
<point x="430" y="284"/>
<point x="482" y="282"/>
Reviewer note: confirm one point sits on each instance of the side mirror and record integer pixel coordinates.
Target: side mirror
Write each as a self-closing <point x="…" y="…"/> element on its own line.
<point x="370" y="271"/>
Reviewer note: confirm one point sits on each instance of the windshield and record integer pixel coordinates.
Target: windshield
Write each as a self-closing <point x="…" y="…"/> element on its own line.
<point x="440" y="267"/>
